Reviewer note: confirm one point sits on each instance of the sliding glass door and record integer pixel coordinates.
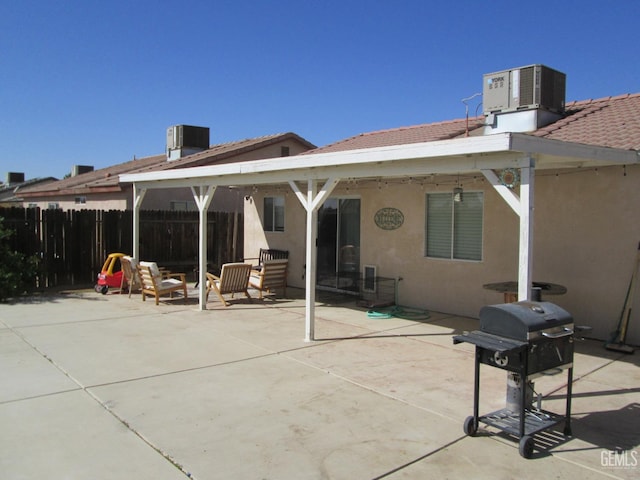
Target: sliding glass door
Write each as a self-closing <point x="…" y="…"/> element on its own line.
<point x="338" y="264"/>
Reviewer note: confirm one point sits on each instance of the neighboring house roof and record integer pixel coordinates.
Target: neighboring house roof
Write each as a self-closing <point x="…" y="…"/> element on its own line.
<point x="11" y="193"/>
<point x="107" y="179"/>
<point x="610" y="122"/>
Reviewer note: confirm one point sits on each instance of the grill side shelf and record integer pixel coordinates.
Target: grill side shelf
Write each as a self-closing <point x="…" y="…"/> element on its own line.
<point x="490" y="342"/>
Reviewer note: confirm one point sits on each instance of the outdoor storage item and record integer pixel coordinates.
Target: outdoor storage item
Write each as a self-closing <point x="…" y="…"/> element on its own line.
<point x="111" y="274"/>
<point x="527" y="339"/>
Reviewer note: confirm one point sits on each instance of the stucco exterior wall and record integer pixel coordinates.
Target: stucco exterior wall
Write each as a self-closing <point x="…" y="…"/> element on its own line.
<point x="586" y="234"/>
<point x="96" y="201"/>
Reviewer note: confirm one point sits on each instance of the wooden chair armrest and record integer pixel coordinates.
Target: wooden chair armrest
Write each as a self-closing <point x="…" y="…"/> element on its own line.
<point x="212" y="276"/>
<point x="180" y="275"/>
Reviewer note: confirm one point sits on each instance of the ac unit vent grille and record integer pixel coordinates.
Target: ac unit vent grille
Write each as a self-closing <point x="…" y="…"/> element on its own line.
<point x="527" y="84"/>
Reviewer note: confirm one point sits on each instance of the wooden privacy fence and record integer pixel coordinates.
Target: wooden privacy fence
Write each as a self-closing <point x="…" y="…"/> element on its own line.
<point x="72" y="245"/>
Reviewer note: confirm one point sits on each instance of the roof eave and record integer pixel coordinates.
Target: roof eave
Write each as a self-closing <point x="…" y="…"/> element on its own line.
<point x="71" y="191"/>
<point x="560" y="154"/>
<point x="445" y="156"/>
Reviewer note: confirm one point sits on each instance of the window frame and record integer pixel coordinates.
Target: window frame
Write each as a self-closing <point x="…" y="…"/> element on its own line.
<point x="473" y="243"/>
<point x="272" y="221"/>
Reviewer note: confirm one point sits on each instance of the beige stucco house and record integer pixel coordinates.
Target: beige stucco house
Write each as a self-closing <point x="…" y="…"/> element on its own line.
<point x="586" y="222"/>
<point x="101" y="189"/>
<point x="532" y="195"/>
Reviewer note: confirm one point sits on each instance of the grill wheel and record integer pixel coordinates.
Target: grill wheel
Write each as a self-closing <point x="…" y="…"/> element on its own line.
<point x="470" y="426"/>
<point x="526" y="446"/>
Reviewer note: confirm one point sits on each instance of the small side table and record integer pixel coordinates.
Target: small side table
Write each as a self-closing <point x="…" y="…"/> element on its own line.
<point x="510" y="289"/>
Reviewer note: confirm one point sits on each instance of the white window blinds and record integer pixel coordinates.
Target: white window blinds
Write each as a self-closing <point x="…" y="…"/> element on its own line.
<point x="454" y="229"/>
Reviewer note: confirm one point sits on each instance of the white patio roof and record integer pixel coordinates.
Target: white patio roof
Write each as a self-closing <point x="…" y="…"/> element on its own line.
<point x="470" y="154"/>
<point x="445" y="157"/>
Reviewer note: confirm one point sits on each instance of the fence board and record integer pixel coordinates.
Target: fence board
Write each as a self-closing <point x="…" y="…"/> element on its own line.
<point x="73" y="245"/>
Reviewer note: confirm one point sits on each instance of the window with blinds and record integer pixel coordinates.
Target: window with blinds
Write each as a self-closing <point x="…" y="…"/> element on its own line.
<point x="454" y="229"/>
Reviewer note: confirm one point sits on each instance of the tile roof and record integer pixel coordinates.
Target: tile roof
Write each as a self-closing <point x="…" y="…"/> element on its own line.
<point x="399" y="136"/>
<point x="9" y="193"/>
<point x="610" y="121"/>
<point x="226" y="152"/>
<point x="107" y="179"/>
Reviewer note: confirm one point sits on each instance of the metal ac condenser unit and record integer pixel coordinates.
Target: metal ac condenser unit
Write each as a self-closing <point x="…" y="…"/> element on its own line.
<point x="180" y="136"/>
<point x="524" y="88"/>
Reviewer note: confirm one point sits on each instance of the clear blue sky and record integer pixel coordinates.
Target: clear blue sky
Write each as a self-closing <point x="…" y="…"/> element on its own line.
<point x="93" y="82"/>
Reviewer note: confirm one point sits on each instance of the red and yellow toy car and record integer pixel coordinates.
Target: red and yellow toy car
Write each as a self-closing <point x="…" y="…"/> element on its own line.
<point x="111" y="274"/>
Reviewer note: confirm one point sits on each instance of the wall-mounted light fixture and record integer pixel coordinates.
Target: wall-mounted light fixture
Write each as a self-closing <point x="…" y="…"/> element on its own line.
<point x="457" y="191"/>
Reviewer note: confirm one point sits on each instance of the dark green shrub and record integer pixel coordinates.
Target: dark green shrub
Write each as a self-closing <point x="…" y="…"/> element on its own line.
<point x="17" y="271"/>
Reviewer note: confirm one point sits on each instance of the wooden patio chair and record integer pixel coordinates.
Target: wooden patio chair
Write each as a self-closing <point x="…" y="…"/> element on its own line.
<point x="271" y="277"/>
<point x="234" y="278"/>
<point x="155" y="282"/>
<point x="129" y="273"/>
<point x="268" y="254"/>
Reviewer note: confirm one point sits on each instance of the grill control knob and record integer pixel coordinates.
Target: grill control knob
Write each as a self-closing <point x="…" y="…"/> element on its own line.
<point x="501" y="360"/>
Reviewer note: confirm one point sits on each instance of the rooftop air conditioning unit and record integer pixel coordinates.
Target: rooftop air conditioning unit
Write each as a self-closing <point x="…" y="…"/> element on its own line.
<point x="180" y="136"/>
<point x="524" y="88"/>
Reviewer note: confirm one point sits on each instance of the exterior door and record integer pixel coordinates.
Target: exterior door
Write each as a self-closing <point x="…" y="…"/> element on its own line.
<point x="338" y="263"/>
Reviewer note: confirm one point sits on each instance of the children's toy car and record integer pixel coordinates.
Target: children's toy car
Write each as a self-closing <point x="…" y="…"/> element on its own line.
<point x="111" y="274"/>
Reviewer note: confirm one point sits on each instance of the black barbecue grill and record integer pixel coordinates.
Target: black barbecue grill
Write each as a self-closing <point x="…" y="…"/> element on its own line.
<point x="527" y="339"/>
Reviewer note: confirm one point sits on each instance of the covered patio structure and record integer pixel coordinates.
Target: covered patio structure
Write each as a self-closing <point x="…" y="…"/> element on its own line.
<point x="313" y="178"/>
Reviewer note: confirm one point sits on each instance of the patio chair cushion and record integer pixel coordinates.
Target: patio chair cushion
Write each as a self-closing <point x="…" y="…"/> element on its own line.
<point x="156" y="282"/>
<point x="153" y="267"/>
<point x="130" y="273"/>
<point x="272" y="276"/>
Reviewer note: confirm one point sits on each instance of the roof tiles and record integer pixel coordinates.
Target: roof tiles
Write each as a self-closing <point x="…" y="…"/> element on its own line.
<point x="107" y="179"/>
<point x="610" y="121"/>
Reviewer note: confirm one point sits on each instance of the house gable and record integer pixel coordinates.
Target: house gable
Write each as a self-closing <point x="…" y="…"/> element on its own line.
<point x="101" y="189"/>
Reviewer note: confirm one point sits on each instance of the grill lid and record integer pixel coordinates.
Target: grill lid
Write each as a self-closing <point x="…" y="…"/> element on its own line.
<point x="518" y="320"/>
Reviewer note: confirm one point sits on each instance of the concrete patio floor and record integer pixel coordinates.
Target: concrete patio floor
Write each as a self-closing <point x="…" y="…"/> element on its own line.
<point x="105" y="387"/>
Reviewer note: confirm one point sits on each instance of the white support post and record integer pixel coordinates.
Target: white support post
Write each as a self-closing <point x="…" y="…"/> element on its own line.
<point x="312" y="203"/>
<point x="311" y="257"/>
<point x="523" y="207"/>
<point x="202" y="195"/>
<point x="525" y="271"/>
<point x="138" y="196"/>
